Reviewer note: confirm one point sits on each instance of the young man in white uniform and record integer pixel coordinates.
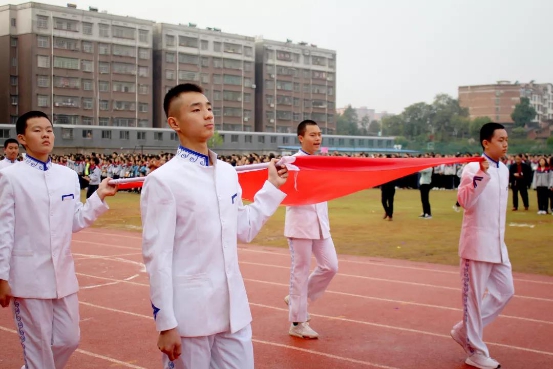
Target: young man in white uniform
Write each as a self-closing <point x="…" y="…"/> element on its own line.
<point x="11" y="151"/>
<point x="192" y="216"/>
<point x="485" y="265"/>
<point x="308" y="231"/>
<point x="40" y="207"/>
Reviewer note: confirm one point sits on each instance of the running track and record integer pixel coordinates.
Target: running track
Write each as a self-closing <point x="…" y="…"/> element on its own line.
<point x="377" y="313"/>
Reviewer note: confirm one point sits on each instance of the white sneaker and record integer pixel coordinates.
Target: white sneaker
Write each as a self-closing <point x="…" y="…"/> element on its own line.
<point x="287" y="302"/>
<point x="481" y="361"/>
<point x="302" y="330"/>
<point x="456" y="208"/>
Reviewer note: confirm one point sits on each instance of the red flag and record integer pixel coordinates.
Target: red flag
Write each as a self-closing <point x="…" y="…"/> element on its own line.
<point x="324" y="178"/>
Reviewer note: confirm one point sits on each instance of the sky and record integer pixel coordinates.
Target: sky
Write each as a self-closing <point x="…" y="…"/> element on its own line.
<point x="390" y="53"/>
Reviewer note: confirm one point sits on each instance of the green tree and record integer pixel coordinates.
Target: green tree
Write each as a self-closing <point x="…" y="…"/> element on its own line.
<point x="215" y="140"/>
<point x="393" y="125"/>
<point x="519" y="132"/>
<point x="445" y="109"/>
<point x="461" y="126"/>
<point x="475" y="126"/>
<point x="348" y="123"/>
<point x="524" y="113"/>
<point x="374" y="127"/>
<point x="417" y="118"/>
<point x="550" y="142"/>
<point x="364" y="129"/>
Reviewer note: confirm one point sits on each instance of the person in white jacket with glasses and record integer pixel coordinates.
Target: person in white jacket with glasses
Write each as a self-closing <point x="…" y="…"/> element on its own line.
<point x="485" y="265"/>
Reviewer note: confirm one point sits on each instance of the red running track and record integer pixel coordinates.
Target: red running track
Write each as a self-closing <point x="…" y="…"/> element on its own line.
<point x="377" y="313"/>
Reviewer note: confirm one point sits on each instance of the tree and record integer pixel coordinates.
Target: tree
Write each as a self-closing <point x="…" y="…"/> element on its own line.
<point x="550" y="142"/>
<point x="393" y="125"/>
<point x="524" y="113"/>
<point x="374" y="127"/>
<point x="215" y="140"/>
<point x="364" y="129"/>
<point x="519" y="132"/>
<point x="461" y="126"/>
<point x="417" y="119"/>
<point x="446" y="108"/>
<point x="347" y="123"/>
<point x="476" y="125"/>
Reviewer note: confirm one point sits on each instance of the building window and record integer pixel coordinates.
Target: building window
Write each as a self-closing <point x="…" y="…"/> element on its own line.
<point x="87" y="28"/>
<point x="205" y="44"/>
<point x="66" y="119"/>
<point x="233" y="138"/>
<point x="143" y="71"/>
<point x="14" y="99"/>
<point x="13" y="42"/>
<point x="43" y="41"/>
<point x="43" y="81"/>
<point x="103" y="49"/>
<point x="188" y="41"/>
<point x="205" y="62"/>
<point x="67" y="82"/>
<point x="13" y="80"/>
<point x="88" y="47"/>
<point x="127" y="87"/>
<point x="248" y="51"/>
<point x="66" y="43"/>
<point x="66" y="25"/>
<point x="87" y="103"/>
<point x="248" y="139"/>
<point x="103" y="30"/>
<point x="142" y="123"/>
<point x="66" y="101"/>
<point x="232" y="48"/>
<point x="5" y="133"/>
<point x="189" y="59"/>
<point x="87" y="121"/>
<point x="143" y="89"/>
<point x="170" y="57"/>
<point x="140" y="135"/>
<point x="66" y="63"/>
<point x="232" y="80"/>
<point x="103" y="67"/>
<point x="169" y="40"/>
<point x="67" y="133"/>
<point x="217" y="47"/>
<point x="43" y="101"/>
<point x="87" y="84"/>
<point x="41" y="21"/>
<point x="104" y="105"/>
<point x="143" y="35"/>
<point x="123" y="50"/>
<point x="87" y="133"/>
<point x="189" y="76"/>
<point x="87" y="66"/>
<point x="143" y="107"/>
<point x="14" y="62"/>
<point x="174" y="136"/>
<point x="123" y="32"/>
<point x="144" y="53"/>
<point x="158" y="136"/>
<point x="106" y="135"/>
<point x="124" y="135"/>
<point x="124" y="68"/>
<point x="169" y="74"/>
<point x="104" y="122"/>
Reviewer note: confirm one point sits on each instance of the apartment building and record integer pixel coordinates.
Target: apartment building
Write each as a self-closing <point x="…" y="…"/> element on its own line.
<point x="78" y="66"/>
<point x="223" y="64"/>
<point x="294" y="82"/>
<point x="498" y="101"/>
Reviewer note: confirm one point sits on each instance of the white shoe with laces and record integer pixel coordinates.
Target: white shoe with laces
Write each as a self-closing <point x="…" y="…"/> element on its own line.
<point x="481" y="361"/>
<point x="302" y="330"/>
<point x="287" y="302"/>
<point x="459" y="337"/>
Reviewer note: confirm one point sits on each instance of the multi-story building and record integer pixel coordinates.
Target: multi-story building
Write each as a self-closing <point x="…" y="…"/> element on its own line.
<point x="78" y="66"/>
<point x="294" y="82"/>
<point x="223" y="64"/>
<point x="498" y="101"/>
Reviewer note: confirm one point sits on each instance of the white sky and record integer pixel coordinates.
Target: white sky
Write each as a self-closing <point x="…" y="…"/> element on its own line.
<point x="391" y="53"/>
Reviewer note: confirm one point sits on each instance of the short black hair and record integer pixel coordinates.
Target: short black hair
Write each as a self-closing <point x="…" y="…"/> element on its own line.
<point x="176" y="91"/>
<point x="10" y="141"/>
<point x="302" y="127"/>
<point x="487" y="131"/>
<point x="21" y="124"/>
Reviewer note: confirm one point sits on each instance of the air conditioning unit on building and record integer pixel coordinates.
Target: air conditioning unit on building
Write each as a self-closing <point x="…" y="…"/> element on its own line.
<point x="254" y="86"/>
<point x="271" y="120"/>
<point x="272" y="76"/>
<point x="272" y="105"/>
<point x="246" y="119"/>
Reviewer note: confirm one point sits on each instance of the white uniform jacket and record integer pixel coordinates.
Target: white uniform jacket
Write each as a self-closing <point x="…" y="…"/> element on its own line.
<point x="40" y="208"/>
<point x="192" y="216"/>
<point x="4" y="163"/>
<point x="484" y="198"/>
<point x="307" y="221"/>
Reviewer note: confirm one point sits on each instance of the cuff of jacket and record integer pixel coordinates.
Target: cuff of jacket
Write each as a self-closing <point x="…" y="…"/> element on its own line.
<point x="100" y="206"/>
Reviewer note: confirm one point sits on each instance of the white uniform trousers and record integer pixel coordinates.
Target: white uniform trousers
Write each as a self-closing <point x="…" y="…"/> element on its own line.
<point x="302" y="285"/>
<point x="48" y="330"/>
<point x="219" y="351"/>
<point x="479" y="310"/>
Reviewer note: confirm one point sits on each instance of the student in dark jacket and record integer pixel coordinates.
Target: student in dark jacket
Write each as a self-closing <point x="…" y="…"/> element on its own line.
<point x="520" y="176"/>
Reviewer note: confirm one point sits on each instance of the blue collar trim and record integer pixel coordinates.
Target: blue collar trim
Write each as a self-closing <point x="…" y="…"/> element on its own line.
<point x="193" y="156"/>
<point x="37" y="164"/>
<point x="493" y="161"/>
<point x="304" y="152"/>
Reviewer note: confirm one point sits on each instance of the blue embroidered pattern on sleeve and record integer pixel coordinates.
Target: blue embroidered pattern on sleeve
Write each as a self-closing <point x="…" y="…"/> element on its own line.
<point x="476" y="179"/>
<point x="156" y="310"/>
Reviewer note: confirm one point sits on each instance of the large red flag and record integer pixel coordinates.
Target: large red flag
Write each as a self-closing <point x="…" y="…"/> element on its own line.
<point x="314" y="179"/>
<point x="324" y="178"/>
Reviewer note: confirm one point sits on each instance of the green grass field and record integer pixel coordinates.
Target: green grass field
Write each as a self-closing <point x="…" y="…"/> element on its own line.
<point x="358" y="229"/>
